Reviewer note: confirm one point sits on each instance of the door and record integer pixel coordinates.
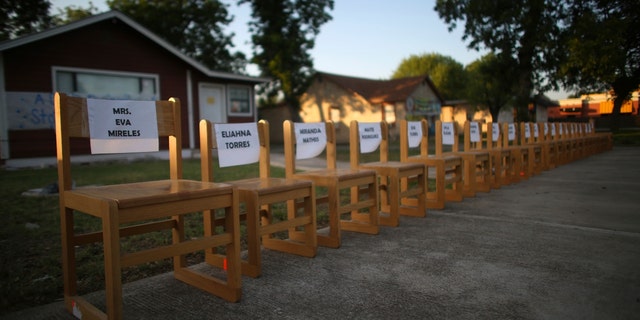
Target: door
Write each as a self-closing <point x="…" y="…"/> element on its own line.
<point x="212" y="102"/>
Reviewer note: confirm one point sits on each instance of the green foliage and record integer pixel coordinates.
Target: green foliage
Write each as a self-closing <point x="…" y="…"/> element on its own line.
<point x="194" y="26"/>
<point x="446" y="73"/>
<point x="22" y="17"/>
<point x="487" y="87"/>
<point x="522" y="35"/>
<point x="602" y="49"/>
<point x="583" y="45"/>
<point x="283" y="33"/>
<point x="73" y="13"/>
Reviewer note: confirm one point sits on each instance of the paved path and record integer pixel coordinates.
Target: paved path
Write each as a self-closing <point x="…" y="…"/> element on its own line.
<point x="562" y="245"/>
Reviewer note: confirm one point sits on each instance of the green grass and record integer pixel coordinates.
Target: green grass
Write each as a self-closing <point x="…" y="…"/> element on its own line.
<point x="30" y="271"/>
<point x="627" y="138"/>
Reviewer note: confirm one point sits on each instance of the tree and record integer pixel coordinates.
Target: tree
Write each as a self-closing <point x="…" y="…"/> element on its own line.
<point x="447" y="74"/>
<point x="194" y="26"/>
<point x="283" y="33"/>
<point x="487" y="86"/>
<point x="523" y="35"/>
<point x="73" y="13"/>
<point x="21" y="17"/>
<point x="602" y="43"/>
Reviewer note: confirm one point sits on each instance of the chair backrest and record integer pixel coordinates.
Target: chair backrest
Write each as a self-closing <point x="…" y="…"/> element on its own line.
<point x="446" y="134"/>
<point x="367" y="137"/>
<point x="494" y="135"/>
<point x="526" y="134"/>
<point x="414" y="134"/>
<point x="300" y="138"/>
<point x="72" y="119"/>
<point x="237" y="144"/>
<point x="510" y="134"/>
<point x="472" y="136"/>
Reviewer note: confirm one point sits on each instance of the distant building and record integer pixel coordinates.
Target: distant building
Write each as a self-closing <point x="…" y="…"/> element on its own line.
<point x="107" y="56"/>
<point x="592" y="106"/>
<point x="343" y="99"/>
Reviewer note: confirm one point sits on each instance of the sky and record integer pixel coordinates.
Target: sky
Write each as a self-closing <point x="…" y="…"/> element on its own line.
<point x="365" y="38"/>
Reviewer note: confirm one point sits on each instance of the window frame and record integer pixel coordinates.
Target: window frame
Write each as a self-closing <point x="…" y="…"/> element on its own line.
<point x="101" y="72"/>
<point x="230" y="111"/>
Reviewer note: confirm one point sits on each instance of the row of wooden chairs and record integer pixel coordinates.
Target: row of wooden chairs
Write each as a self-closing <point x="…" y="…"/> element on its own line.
<point x="361" y="198"/>
<point x="352" y="195"/>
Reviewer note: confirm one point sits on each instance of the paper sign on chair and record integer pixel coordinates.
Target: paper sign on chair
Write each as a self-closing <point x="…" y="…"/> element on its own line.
<point x="370" y="136"/>
<point x="129" y="127"/>
<point x="310" y="139"/>
<point x="238" y="143"/>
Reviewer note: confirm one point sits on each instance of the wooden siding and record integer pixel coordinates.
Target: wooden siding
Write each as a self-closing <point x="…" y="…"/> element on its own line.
<point x="105" y="46"/>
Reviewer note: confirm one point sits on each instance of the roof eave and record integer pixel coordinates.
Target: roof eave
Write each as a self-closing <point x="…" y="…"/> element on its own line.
<point x="146" y="32"/>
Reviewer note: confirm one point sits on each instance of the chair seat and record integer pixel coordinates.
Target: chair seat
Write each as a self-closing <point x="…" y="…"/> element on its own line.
<point x="130" y="195"/>
<point x="391" y="164"/>
<point x="270" y="185"/>
<point x="339" y="174"/>
<point x="432" y="159"/>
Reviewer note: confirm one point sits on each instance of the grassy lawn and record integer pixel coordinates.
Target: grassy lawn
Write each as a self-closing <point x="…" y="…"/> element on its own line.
<point x="30" y="271"/>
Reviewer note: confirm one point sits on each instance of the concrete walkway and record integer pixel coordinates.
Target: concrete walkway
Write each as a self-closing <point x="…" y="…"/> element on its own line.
<point x="562" y="245"/>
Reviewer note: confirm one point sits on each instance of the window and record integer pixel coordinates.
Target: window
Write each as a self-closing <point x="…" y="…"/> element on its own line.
<point x="105" y="84"/>
<point x="390" y="114"/>
<point x="334" y="114"/>
<point x="239" y="101"/>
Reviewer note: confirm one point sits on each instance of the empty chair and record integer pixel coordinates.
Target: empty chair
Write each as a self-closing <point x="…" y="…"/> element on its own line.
<point x="308" y="140"/>
<point x="520" y="161"/>
<point x="501" y="158"/>
<point x="403" y="185"/>
<point x="448" y="168"/>
<point x="477" y="162"/>
<point x="141" y="207"/>
<point x="246" y="143"/>
<point x="528" y="138"/>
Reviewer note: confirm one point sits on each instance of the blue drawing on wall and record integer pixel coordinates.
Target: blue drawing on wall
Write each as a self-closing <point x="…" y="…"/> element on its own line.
<point x="30" y="110"/>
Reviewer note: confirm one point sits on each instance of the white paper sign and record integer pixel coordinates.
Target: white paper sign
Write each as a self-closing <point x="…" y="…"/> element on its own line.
<point x="121" y="126"/>
<point x="553" y="130"/>
<point x="495" y="133"/>
<point x="414" y="129"/>
<point x="546" y="128"/>
<point x="536" y="131"/>
<point x="238" y="143"/>
<point x="447" y="133"/>
<point x="311" y="139"/>
<point x="527" y="131"/>
<point x="370" y="134"/>
<point x="474" y="132"/>
<point x="512" y="132"/>
<point x="561" y="132"/>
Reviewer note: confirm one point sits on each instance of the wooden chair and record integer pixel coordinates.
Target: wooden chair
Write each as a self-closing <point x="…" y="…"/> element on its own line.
<point x="550" y="145"/>
<point x="143" y="207"/>
<point x="260" y="194"/>
<point x="500" y="158"/>
<point x="528" y="135"/>
<point x="448" y="167"/>
<point x="402" y="185"/>
<point x="477" y="162"/>
<point x="362" y="184"/>
<point x="520" y="160"/>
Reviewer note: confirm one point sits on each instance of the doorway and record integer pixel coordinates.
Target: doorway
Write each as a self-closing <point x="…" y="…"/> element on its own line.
<point x="212" y="102"/>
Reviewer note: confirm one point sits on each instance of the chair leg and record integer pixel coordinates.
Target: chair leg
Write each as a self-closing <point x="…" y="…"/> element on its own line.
<point x="392" y="199"/>
<point x="437" y="198"/>
<point x="333" y="239"/>
<point x="112" y="274"/>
